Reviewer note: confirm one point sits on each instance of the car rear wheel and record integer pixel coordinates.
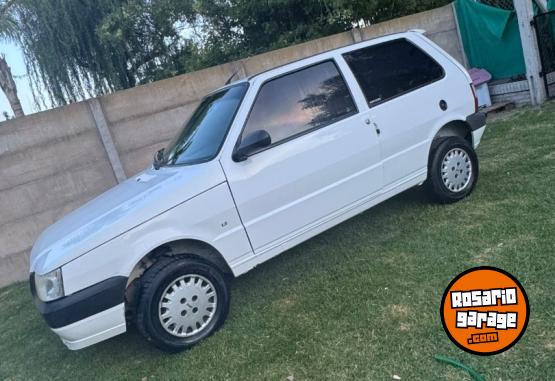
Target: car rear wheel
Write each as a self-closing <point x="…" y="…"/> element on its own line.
<point x="182" y="300"/>
<point x="453" y="170"/>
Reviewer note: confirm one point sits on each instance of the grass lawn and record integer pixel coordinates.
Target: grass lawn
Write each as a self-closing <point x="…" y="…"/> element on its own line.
<point x="362" y="300"/>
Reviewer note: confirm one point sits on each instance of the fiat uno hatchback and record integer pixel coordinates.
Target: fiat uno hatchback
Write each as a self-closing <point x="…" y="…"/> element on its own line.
<point x="262" y="165"/>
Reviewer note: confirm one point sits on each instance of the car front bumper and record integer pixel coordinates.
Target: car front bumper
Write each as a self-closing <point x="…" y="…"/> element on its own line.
<point x="87" y="316"/>
<point x="93" y="329"/>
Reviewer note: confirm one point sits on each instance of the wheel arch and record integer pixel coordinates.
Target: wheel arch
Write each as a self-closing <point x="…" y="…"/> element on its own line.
<point x="455" y="127"/>
<point x="192" y="248"/>
<point x="458" y="128"/>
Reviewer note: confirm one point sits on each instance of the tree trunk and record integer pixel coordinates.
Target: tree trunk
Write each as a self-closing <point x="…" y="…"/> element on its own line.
<point x="9" y="88"/>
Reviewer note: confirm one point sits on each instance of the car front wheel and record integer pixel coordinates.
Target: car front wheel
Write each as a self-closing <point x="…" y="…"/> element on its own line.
<point x="182" y="301"/>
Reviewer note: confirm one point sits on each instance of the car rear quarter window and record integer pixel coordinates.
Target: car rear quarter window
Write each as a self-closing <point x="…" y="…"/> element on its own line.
<point x="301" y="101"/>
<point x="393" y="68"/>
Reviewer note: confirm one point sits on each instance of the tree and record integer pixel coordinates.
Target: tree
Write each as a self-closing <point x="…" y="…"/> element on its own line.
<point x="62" y="51"/>
<point x="76" y="48"/>
<point x="9" y="87"/>
<point x="149" y="35"/>
<point x="238" y="28"/>
<point x="8" y="29"/>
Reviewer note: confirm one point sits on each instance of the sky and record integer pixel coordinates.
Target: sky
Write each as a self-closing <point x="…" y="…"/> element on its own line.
<point x="14" y="57"/>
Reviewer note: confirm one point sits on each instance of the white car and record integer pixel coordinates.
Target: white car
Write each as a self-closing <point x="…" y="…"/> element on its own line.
<point x="262" y="165"/>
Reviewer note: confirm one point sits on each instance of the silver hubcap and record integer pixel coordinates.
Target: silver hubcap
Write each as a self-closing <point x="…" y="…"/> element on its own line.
<point x="456" y="170"/>
<point x="187" y="305"/>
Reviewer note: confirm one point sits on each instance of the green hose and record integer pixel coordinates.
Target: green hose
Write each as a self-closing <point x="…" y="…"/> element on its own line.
<point x="475" y="375"/>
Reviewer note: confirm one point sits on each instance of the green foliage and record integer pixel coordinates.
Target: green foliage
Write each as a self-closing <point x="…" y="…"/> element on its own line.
<point x="237" y="28"/>
<point x="148" y="35"/>
<point x="76" y="49"/>
<point x="63" y="52"/>
<point x="8" y="24"/>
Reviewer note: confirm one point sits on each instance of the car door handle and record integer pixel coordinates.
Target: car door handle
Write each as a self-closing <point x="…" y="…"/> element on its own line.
<point x="378" y="131"/>
<point x="370" y="122"/>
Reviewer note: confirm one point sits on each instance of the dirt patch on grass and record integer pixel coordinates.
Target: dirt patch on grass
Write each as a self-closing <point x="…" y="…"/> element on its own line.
<point x="400" y="310"/>
<point x="5" y="293"/>
<point x="404" y="327"/>
<point x="487" y="254"/>
<point x="284" y="305"/>
<point x="550" y="156"/>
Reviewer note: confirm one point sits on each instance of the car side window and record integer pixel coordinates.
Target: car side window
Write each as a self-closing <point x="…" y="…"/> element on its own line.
<point x="393" y="68"/>
<point x="299" y="102"/>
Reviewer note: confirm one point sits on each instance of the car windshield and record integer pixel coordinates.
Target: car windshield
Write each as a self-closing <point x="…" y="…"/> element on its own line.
<point x="204" y="133"/>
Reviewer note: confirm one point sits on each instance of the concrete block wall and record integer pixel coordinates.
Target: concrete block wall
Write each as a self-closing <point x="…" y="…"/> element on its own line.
<point x="516" y="92"/>
<point x="52" y="162"/>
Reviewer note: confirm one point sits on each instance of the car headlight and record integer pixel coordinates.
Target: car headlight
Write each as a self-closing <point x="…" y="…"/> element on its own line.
<point x="49" y="286"/>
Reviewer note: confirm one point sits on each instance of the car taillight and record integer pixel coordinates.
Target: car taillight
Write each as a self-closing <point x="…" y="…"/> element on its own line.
<point x="475" y="97"/>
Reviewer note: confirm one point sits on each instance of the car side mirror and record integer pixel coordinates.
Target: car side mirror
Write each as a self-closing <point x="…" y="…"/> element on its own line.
<point x="251" y="143"/>
<point x="158" y="157"/>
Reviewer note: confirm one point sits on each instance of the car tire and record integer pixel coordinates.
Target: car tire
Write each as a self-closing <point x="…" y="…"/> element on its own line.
<point x="453" y="170"/>
<point x="182" y="300"/>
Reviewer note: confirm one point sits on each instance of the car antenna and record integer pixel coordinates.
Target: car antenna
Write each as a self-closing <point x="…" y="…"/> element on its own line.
<point x="232" y="76"/>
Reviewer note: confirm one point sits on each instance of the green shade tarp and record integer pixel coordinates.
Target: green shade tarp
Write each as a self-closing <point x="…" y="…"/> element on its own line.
<point x="491" y="38"/>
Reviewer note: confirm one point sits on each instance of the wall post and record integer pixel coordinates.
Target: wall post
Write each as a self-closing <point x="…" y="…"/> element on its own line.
<point x="357" y="36"/>
<point x="525" y="14"/>
<point x="106" y="138"/>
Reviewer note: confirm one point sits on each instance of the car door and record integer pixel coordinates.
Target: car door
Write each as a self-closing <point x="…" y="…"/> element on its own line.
<point x="322" y="158"/>
<point x="403" y="86"/>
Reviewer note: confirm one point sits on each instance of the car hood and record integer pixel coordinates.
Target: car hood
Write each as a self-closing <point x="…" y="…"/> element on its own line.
<point x="119" y="210"/>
